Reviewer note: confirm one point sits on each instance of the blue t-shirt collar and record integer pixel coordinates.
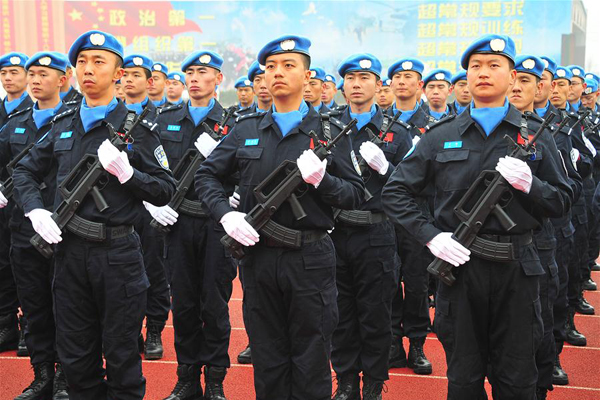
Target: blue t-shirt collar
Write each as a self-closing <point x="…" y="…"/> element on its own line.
<point x="542" y="111"/>
<point x="489" y="118"/>
<point x="64" y="94"/>
<point x="438" y="115"/>
<point x="459" y="108"/>
<point x="330" y="103"/>
<point x="91" y="115"/>
<point x="290" y="120"/>
<point x="10" y="106"/>
<point x="137" y="107"/>
<point x="41" y="117"/>
<point x="364" y="118"/>
<point x="198" y="114"/>
<point x="160" y="102"/>
<point x="405" y="116"/>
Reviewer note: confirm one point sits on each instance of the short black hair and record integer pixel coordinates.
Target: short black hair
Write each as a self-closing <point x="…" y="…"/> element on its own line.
<point x="305" y="60"/>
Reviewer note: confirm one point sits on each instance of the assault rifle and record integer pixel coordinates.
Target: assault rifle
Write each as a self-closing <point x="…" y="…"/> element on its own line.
<point x="7" y="186"/>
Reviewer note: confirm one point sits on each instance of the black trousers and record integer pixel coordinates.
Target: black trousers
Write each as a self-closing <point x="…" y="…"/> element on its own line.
<point x="100" y="303"/>
<point x="578" y="257"/>
<point x="201" y="286"/>
<point x="291" y="312"/>
<point x="491" y="316"/>
<point x="366" y="274"/>
<point x="588" y="259"/>
<point x="564" y="250"/>
<point x="9" y="302"/>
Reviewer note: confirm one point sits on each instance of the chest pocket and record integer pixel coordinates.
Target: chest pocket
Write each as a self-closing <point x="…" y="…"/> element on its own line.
<point x="389" y="149"/>
<point x="18" y="139"/>
<point x="172" y="143"/>
<point x="248" y="158"/>
<point x="452" y="168"/>
<point x="62" y="151"/>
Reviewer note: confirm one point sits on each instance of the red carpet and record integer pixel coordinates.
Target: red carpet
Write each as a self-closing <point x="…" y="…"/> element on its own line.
<point x="581" y="363"/>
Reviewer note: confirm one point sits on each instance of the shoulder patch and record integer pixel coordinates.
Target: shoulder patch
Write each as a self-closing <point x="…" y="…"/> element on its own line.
<point x="63" y="114"/>
<point x="161" y="157"/>
<point x="14" y="114"/>
<point x="72" y="102"/>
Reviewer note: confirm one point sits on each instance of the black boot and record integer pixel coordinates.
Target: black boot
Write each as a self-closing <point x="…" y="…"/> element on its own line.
<point x="188" y="384"/>
<point x="60" y="384"/>
<point x="245" y="356"/>
<point x="41" y="387"/>
<point x="416" y="357"/>
<point x="9" y="332"/>
<point x="559" y="376"/>
<point x="348" y="387"/>
<point x="541" y="393"/>
<point x="589" y="285"/>
<point x="583" y="307"/>
<point x="213" y="380"/>
<point x="153" y="349"/>
<point x="573" y="337"/>
<point x="22" y="346"/>
<point x="371" y="389"/>
<point x="397" y="354"/>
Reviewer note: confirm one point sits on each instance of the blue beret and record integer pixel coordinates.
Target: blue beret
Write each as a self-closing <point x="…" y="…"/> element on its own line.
<point x="592" y="86"/>
<point x="340" y="85"/>
<point x="360" y="62"/>
<point x="284" y="44"/>
<point x="160" y="67"/>
<point x="438" y="74"/>
<point x="590" y="75"/>
<point x="255" y="69"/>
<point x="330" y="78"/>
<point x="406" y="64"/>
<point x="459" y="76"/>
<point x="49" y="59"/>
<point x="549" y="64"/>
<point x="490" y="44"/>
<point x="203" y="58"/>
<point x="13" y="60"/>
<point x="176" y="76"/>
<point x="386" y="82"/>
<point x="95" y="40"/>
<point x="243" y="81"/>
<point x="317" y="73"/>
<point x="530" y="64"/>
<point x="577" y="71"/>
<point x="563" y="73"/>
<point x="138" y="60"/>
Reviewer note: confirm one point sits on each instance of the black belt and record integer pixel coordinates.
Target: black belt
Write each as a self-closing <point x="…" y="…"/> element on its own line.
<point x="192" y="208"/>
<point x="276" y="235"/>
<point x="361" y="218"/>
<point x="95" y="231"/>
<point x="499" y="248"/>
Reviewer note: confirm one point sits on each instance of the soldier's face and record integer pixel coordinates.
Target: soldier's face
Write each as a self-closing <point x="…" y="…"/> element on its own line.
<point x="560" y="93"/>
<point x="406" y="84"/>
<point x="14" y="79"/>
<point x="201" y="81"/>
<point x="157" y="87"/>
<point x="328" y="92"/>
<point x="286" y="75"/>
<point x="577" y="88"/>
<point x="437" y="93"/>
<point x="119" y="92"/>
<point x="313" y="91"/>
<point x="360" y="87"/>
<point x="589" y="100"/>
<point x="385" y="97"/>
<point x="489" y="76"/>
<point x="97" y="72"/>
<point x="461" y="92"/>
<point x="260" y="89"/>
<point x="546" y="87"/>
<point x="245" y="95"/>
<point x="522" y="92"/>
<point x="174" y="89"/>
<point x="44" y="83"/>
<point x="134" y="82"/>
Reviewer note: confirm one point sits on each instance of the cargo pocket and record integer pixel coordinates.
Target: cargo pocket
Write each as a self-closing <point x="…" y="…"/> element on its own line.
<point x="443" y="323"/>
<point x="135" y="303"/>
<point x="330" y="315"/>
<point x="530" y="261"/>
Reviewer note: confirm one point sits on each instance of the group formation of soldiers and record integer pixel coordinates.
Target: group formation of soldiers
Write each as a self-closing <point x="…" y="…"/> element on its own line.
<point x="124" y="202"/>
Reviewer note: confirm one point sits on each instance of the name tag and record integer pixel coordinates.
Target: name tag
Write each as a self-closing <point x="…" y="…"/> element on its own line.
<point x="251" y="142"/>
<point x="19" y="131"/>
<point x="453" y="145"/>
<point x="175" y="128"/>
<point x="66" y="135"/>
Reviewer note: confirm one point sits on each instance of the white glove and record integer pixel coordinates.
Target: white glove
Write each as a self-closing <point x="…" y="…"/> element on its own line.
<point x="589" y="145"/>
<point x="205" y="144"/>
<point x="445" y="247"/>
<point x="234" y="200"/>
<point x="516" y="172"/>
<point x="165" y="215"/>
<point x="44" y="225"/>
<point x="115" y="161"/>
<point x="3" y="200"/>
<point x="311" y="168"/>
<point x="374" y="157"/>
<point x="574" y="157"/>
<point x="238" y="228"/>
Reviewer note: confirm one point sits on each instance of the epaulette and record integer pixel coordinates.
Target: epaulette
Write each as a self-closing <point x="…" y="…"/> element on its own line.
<point x="431" y="119"/>
<point x="64" y="114"/>
<point x="149" y="123"/>
<point x="251" y="115"/>
<point x="72" y="103"/>
<point x="334" y="112"/>
<point x="401" y="123"/>
<point x="14" y="114"/>
<point x="170" y="108"/>
<point x="442" y="121"/>
<point x="337" y="123"/>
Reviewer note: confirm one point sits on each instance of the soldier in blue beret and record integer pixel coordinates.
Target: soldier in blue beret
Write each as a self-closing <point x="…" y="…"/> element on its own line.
<point x="527" y="83"/>
<point x="460" y="88"/>
<point x="577" y="87"/>
<point x="92" y="294"/>
<point x="314" y="90"/>
<point x="329" y="91"/>
<point x="264" y="100"/>
<point x="385" y="97"/>
<point x="175" y="87"/>
<point x="591" y="75"/>
<point x="156" y="90"/>
<point x="590" y="94"/>
<point x="45" y="75"/>
<point x="14" y="82"/>
<point x="472" y="310"/>
<point x="137" y="77"/>
<point x="436" y="86"/>
<point x="290" y="290"/>
<point x="245" y="94"/>
<point x="68" y="94"/>
<point x="542" y="97"/>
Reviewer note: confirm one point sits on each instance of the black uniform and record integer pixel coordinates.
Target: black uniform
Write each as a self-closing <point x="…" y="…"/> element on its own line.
<point x="9" y="303"/>
<point x="492" y="313"/>
<point x="73" y="96"/>
<point x="593" y="231"/>
<point x="367" y="266"/>
<point x="201" y="272"/>
<point x="290" y="294"/>
<point x="99" y="286"/>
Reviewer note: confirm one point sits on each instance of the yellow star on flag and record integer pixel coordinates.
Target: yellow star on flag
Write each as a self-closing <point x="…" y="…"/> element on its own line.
<point x="75" y="15"/>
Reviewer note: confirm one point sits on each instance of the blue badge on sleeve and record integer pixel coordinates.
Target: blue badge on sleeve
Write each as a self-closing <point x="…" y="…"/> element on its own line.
<point x="175" y="128"/>
<point x="453" y="145"/>
<point x="251" y="142"/>
<point x="19" y="131"/>
<point x="66" y="135"/>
